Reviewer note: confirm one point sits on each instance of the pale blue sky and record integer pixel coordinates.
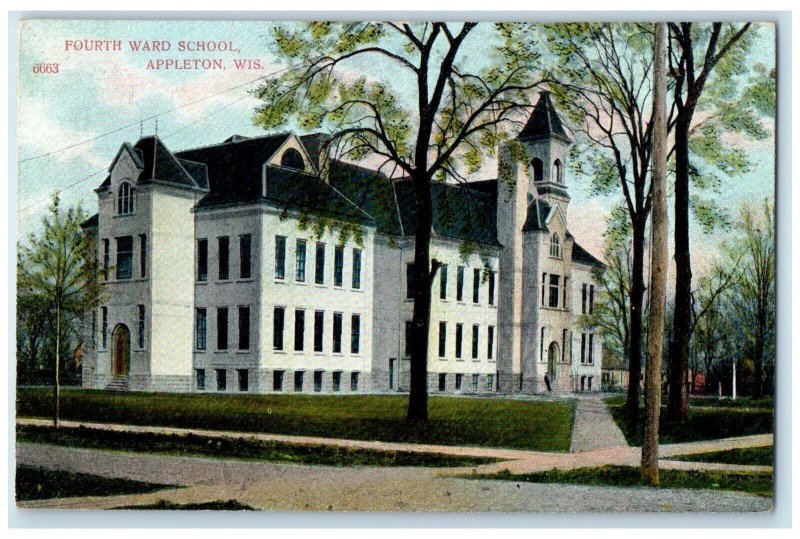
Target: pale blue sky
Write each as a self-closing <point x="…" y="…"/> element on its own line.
<point x="97" y="92"/>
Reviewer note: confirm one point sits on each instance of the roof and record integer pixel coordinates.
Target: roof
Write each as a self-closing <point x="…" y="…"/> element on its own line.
<point x="157" y="164"/>
<point x="544" y="121"/>
<point x="91" y="222"/>
<point x="536" y="219"/>
<point x="581" y="255"/>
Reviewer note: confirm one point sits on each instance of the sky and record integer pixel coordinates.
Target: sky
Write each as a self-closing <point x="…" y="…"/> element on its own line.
<point x="97" y="92"/>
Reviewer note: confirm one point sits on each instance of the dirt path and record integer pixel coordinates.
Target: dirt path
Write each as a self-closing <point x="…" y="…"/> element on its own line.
<point x="594" y="428"/>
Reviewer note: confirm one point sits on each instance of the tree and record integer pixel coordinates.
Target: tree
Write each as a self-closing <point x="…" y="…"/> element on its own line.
<point x="603" y="76"/>
<point x="695" y="52"/>
<point x="452" y="108"/>
<point x="659" y="257"/>
<point x="58" y="268"/>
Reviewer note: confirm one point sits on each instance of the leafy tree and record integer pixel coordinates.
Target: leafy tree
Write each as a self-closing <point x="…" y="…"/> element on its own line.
<point x="454" y="107"/>
<point x="57" y="269"/>
<point x="707" y="63"/>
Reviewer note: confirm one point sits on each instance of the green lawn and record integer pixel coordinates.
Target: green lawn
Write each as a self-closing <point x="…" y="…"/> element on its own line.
<point x="704" y="423"/>
<point x="222" y="447"/>
<point x="485" y="422"/>
<point x="630" y="476"/>
<point x="757" y="456"/>
<point x="40" y="484"/>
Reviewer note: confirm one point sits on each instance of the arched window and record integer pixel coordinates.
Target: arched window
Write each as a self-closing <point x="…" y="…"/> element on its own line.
<point x="555" y="245"/>
<point x="558" y="174"/>
<point x="291" y="158"/>
<point x="126" y="198"/>
<point x="538" y="169"/>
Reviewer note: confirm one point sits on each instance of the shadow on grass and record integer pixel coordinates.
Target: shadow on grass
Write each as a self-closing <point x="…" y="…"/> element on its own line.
<point x="752" y="456"/>
<point x="218" y="505"/>
<point x="39" y="484"/>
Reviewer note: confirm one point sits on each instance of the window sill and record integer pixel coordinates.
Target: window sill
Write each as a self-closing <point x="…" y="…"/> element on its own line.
<point x="243" y="352"/>
<point x="223" y="281"/>
<point x="200" y="351"/>
<point x="246" y="280"/>
<point x="204" y="283"/>
<point x="222" y="352"/>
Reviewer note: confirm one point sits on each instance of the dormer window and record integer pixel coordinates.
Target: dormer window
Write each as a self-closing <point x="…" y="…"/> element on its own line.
<point x="126" y="199"/>
<point x="291" y="158"/>
<point x="558" y="173"/>
<point x="555" y="246"/>
<point x="538" y="169"/>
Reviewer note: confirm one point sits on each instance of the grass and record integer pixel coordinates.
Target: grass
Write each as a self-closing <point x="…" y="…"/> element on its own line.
<point x="630" y="476"/>
<point x="704" y="423"/>
<point x="756" y="456"/>
<point x="39" y="484"/>
<point x="222" y="447"/>
<point x="218" y="505"/>
<point x="484" y="422"/>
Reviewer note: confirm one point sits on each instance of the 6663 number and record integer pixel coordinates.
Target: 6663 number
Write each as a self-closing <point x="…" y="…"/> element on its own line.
<point x="47" y="68"/>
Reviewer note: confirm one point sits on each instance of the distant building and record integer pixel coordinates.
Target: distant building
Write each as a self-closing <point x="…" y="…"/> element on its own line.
<point x="215" y="279"/>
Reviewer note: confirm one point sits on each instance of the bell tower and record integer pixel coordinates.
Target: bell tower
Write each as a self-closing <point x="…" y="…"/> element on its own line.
<point x="547" y="142"/>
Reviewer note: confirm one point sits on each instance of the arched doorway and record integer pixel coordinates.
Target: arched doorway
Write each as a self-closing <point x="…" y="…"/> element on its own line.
<point x="121" y="351"/>
<point x="552" y="358"/>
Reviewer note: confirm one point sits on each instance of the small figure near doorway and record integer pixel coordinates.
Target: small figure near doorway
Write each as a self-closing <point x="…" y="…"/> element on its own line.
<point x="547" y="381"/>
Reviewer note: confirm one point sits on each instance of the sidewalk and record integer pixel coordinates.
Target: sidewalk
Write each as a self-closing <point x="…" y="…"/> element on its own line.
<point x="594" y="428"/>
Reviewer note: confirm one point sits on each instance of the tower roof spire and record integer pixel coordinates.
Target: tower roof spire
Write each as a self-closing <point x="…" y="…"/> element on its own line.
<point x="544" y="121"/>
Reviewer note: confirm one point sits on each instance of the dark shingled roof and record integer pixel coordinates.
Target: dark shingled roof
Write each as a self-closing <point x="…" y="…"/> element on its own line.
<point x="371" y="191"/>
<point x="168" y="168"/>
<point x="579" y="254"/>
<point x="91" y="222"/>
<point x="544" y="122"/>
<point x="538" y="211"/>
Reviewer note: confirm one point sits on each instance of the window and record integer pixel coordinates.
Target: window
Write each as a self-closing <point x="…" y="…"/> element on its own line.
<point x="460" y="284"/>
<point x="442" y="339"/>
<point x="558" y="174"/>
<point x="222" y="328"/>
<point x="541" y="345"/>
<point x="490" y="382"/>
<point x="202" y="260"/>
<point x="104" y="326"/>
<point x="245" y="264"/>
<point x="353" y="381"/>
<point x="244" y="379"/>
<point x="277" y="328"/>
<point x="475" y="336"/>
<point x="591" y="298"/>
<point x="459" y="377"/>
<point x="555" y="246"/>
<point x="298" y="381"/>
<point x="475" y="379"/>
<point x="319" y="264"/>
<point x="277" y="381"/>
<point x="357" y="268"/>
<point x="490" y="343"/>
<point x="140" y="313"/>
<point x="106" y="258"/>
<point x="564" y="346"/>
<point x="409" y="337"/>
<point x="291" y="158"/>
<point x="591" y="349"/>
<point x="338" y="266"/>
<point x="554" y="282"/>
<point x="442" y="381"/>
<point x="223" y="253"/>
<point x="222" y="379"/>
<point x="126" y="196"/>
<point x="299" y="329"/>
<point x="142" y="255"/>
<point x="476" y="285"/>
<point x="244" y="327"/>
<point x="459" y="335"/>
<point x="280" y="257"/>
<point x="125" y="257"/>
<point x="583" y="348"/>
<point x="200" y="329"/>
<point x="337" y="381"/>
<point x="409" y="281"/>
<point x="337" y="333"/>
<point x="583" y="298"/>
<point x="544" y="286"/>
<point x="564" y="303"/>
<point x="491" y="287"/>
<point x="317" y="381"/>
<point x="200" y="379"/>
<point x="300" y="261"/>
<point x="94" y="328"/>
<point x="538" y="169"/>
<point x="355" y="334"/>
<point x="319" y="330"/>
<point x="443" y="282"/>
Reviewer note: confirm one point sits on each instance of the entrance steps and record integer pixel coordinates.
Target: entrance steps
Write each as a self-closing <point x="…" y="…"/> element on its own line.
<point x="118" y="384"/>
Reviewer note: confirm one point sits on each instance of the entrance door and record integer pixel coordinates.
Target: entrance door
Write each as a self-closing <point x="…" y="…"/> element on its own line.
<point x="121" y="350"/>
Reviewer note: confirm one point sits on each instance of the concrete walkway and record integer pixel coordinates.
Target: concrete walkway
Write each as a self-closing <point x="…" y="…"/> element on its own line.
<point x="289" y="487"/>
<point x="594" y="428"/>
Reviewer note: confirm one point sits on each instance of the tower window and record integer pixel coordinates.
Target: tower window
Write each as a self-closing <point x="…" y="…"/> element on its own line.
<point x="126" y="196"/>
<point x="538" y="169"/>
<point x="558" y="173"/>
<point x="555" y="245"/>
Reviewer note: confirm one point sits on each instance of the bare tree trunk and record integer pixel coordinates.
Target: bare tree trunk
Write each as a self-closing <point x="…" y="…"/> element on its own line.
<point x="420" y="325"/>
<point x="659" y="260"/>
<point x="57" y="386"/>
<point x="637" y="304"/>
